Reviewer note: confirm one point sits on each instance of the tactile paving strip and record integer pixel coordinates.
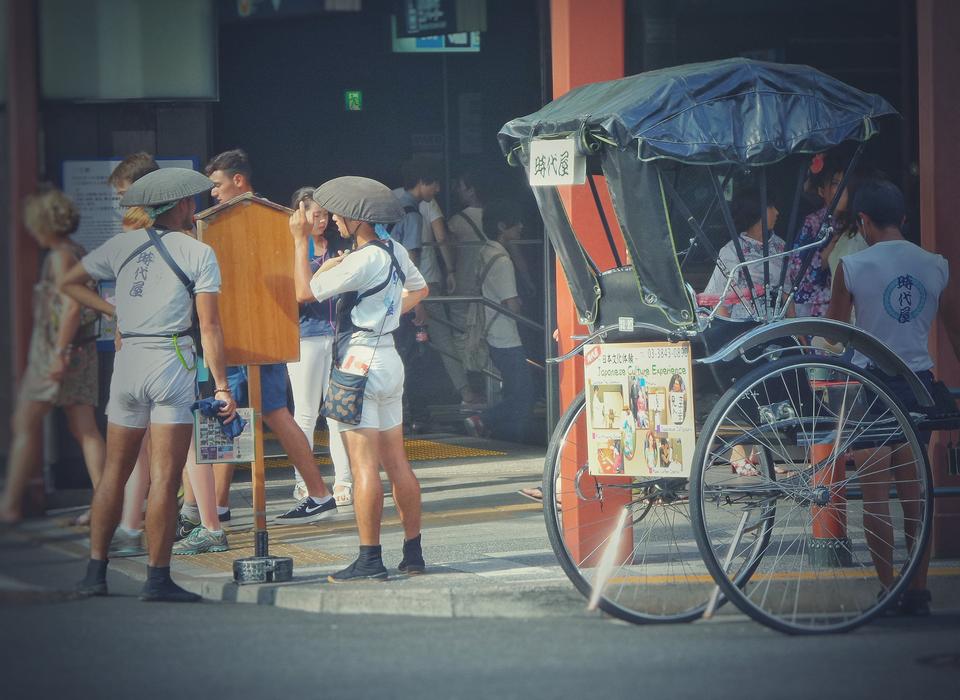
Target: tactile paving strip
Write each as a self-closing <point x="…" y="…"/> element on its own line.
<point x="241" y="545"/>
<point x="417" y="451"/>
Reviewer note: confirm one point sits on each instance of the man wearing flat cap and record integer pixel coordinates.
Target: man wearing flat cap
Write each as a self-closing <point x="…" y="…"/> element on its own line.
<point x="161" y="275"/>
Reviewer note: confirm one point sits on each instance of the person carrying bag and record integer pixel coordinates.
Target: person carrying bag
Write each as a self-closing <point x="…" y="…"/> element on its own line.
<point x="377" y="283"/>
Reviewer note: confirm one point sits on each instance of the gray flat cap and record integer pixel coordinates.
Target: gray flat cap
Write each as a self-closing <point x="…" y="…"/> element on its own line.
<point x="360" y="199"/>
<point x="165" y="185"/>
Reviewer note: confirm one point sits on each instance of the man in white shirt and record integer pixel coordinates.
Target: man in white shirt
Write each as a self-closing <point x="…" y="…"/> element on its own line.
<point x="466" y="232"/>
<point x="421" y="183"/>
<point x="231" y="173"/>
<point x="896" y="288"/>
<point x="154" y="379"/>
<point x="502" y="224"/>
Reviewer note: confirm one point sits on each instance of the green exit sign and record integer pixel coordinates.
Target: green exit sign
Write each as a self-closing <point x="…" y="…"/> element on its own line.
<point x="353" y="100"/>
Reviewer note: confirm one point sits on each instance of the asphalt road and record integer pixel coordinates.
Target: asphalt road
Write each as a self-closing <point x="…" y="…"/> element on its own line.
<point x="118" y="647"/>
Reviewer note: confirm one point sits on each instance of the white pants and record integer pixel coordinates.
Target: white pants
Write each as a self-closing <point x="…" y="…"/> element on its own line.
<point x="150" y="383"/>
<point x="383" y="394"/>
<point x="308" y="380"/>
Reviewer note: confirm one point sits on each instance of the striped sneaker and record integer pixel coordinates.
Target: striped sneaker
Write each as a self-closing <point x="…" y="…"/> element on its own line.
<point x="201" y="540"/>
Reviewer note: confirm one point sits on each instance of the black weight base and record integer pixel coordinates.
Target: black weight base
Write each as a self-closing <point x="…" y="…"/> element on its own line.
<point x="262" y="570"/>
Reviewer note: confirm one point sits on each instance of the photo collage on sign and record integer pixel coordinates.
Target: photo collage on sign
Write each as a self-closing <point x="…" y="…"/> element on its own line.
<point x="639" y="409"/>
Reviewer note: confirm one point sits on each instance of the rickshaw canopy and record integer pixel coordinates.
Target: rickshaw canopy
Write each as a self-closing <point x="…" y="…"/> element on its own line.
<point x="731" y="111"/>
<point x="646" y="129"/>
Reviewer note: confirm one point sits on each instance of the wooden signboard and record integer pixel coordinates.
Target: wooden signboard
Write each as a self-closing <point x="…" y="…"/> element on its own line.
<point x="258" y="306"/>
<point x="258" y="302"/>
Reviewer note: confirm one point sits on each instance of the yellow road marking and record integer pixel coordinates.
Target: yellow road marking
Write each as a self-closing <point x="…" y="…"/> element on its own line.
<point x="783" y="576"/>
<point x="417" y="451"/>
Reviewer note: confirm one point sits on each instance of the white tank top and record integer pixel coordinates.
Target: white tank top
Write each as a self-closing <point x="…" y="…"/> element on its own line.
<point x="896" y="288"/>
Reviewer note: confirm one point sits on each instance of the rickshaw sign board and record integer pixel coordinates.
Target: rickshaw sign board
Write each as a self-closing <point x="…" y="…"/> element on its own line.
<point x="640" y="419"/>
<point x="556" y="162"/>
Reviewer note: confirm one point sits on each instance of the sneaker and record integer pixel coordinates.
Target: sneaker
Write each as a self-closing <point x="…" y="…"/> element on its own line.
<point x="201" y="540"/>
<point x="307" y="511"/>
<point x="367" y="571"/>
<point x="474" y="426"/>
<point x="124" y="545"/>
<point x="300" y="491"/>
<point x="224" y="517"/>
<point x="915" y="603"/>
<point x="184" y="527"/>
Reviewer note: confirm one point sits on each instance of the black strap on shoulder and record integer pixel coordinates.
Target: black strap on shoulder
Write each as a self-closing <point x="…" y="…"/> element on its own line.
<point x="165" y="254"/>
<point x="476" y="229"/>
<point x="154" y="240"/>
<point x="347" y="302"/>
<point x="394" y="265"/>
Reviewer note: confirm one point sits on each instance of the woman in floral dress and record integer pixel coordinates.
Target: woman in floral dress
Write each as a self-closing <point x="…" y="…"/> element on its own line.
<point x="62" y="364"/>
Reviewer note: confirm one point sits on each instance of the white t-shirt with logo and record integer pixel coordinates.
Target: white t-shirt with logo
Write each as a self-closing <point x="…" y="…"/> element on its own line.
<point x="364" y="269"/>
<point x="896" y="289"/>
<point x="499" y="284"/>
<point x="150" y="298"/>
<point x="429" y="267"/>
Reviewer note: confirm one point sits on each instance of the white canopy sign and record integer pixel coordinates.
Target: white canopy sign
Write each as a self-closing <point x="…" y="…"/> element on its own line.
<point x="556" y="162"/>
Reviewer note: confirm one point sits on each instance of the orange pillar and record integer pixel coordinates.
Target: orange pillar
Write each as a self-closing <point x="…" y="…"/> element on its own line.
<point x="21" y="136"/>
<point x="938" y="24"/>
<point x="21" y="141"/>
<point x="587" y="43"/>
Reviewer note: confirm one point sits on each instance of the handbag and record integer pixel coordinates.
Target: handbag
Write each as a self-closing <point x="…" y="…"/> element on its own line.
<point x="344" y="398"/>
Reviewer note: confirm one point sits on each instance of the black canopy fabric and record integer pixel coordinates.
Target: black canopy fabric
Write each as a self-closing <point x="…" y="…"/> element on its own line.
<point x="731" y="111"/>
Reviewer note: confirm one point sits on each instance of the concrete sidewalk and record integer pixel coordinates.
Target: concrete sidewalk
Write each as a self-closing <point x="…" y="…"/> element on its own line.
<point x="486" y="546"/>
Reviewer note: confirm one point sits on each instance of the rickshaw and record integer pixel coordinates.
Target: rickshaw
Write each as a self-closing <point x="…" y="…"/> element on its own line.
<point x="796" y="546"/>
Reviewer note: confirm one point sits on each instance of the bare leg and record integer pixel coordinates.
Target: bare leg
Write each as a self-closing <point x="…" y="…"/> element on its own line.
<point x="406" y="487"/>
<point x="203" y="492"/>
<point x="24" y="457"/>
<point x="135" y="491"/>
<point x="298" y="450"/>
<point x="83" y="427"/>
<point x="875" y="480"/>
<point x="908" y="491"/>
<point x="223" y="476"/>
<point x="363" y="447"/>
<point x="123" y="444"/>
<point x="171" y="441"/>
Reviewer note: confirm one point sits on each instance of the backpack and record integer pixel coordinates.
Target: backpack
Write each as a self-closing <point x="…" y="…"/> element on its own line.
<point x="476" y="352"/>
<point x="468" y="260"/>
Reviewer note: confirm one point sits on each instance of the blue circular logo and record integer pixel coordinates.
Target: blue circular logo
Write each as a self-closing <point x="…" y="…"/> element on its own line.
<point x="904" y="298"/>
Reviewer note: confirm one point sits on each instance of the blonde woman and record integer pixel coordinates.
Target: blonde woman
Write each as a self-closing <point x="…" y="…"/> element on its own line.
<point x="62" y="364"/>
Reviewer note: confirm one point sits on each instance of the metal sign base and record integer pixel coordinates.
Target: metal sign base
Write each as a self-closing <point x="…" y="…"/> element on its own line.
<point x="262" y="570"/>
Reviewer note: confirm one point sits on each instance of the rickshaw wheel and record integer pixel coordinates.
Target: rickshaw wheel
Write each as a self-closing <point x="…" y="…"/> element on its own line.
<point x="653" y="571"/>
<point x="836" y="445"/>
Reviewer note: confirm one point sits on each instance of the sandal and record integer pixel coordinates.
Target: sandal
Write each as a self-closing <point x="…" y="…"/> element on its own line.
<point x="744" y="467"/>
<point x="534" y="493"/>
<point x="345" y="496"/>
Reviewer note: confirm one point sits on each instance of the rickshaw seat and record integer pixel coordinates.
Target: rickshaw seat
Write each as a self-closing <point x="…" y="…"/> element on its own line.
<point x="620" y="297"/>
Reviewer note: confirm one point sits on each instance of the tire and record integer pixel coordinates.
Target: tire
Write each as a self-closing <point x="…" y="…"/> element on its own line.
<point x="665" y="579"/>
<point x="815" y="573"/>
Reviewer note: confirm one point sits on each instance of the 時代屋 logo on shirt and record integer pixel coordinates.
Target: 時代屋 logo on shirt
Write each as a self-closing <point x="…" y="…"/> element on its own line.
<point x="904" y="298"/>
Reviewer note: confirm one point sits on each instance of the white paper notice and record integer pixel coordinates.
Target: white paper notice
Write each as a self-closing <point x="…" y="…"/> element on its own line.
<point x="85" y="182"/>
